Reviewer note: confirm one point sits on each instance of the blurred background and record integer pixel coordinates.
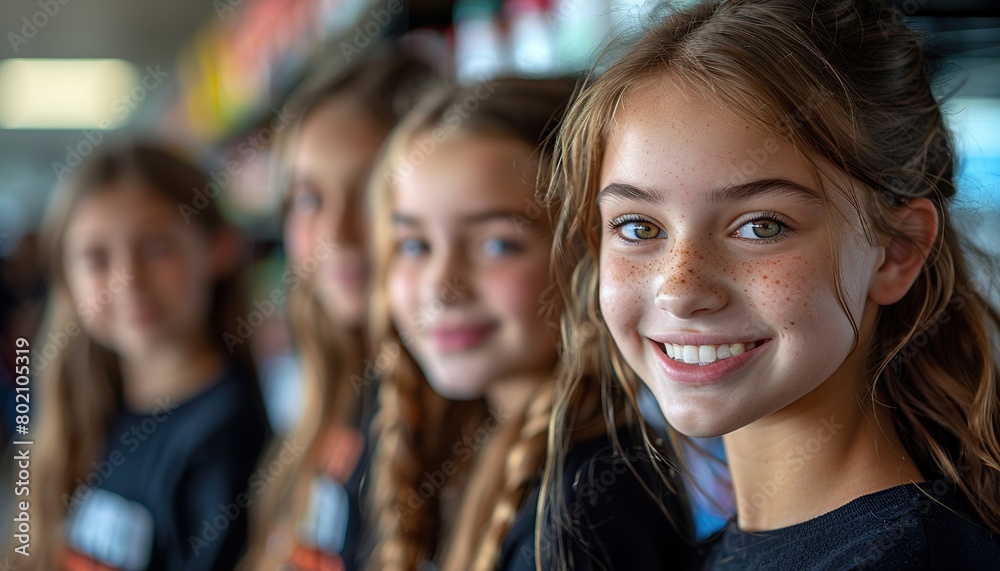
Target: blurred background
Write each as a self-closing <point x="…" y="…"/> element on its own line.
<point x="212" y="76"/>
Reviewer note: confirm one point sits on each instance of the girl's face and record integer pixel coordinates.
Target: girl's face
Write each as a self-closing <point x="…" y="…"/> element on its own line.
<point x="470" y="266"/>
<point x="330" y="164"/>
<point x="139" y="277"/>
<point x="717" y="278"/>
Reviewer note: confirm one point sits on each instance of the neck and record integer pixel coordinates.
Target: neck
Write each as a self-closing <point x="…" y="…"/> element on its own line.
<point x="169" y="374"/>
<point x="814" y="456"/>
<point x="510" y="395"/>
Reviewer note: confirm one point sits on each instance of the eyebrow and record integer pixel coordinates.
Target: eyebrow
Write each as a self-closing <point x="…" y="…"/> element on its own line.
<point x="474" y="218"/>
<point x="729" y="193"/>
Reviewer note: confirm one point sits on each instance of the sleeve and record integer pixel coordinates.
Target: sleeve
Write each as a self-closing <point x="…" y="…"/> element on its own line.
<point x="213" y="499"/>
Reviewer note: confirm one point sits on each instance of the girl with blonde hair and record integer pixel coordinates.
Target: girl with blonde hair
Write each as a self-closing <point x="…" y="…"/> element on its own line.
<point x="462" y="306"/>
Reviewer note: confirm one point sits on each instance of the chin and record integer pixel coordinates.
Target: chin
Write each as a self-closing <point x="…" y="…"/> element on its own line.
<point x="456" y="388"/>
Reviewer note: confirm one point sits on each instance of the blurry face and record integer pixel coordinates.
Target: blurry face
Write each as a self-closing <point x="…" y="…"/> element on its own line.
<point x="470" y="266"/>
<point x="331" y="161"/>
<point x="140" y="278"/>
<point x="716" y="270"/>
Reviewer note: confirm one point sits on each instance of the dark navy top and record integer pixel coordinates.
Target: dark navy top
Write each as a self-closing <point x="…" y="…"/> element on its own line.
<point x="608" y="521"/>
<point x="172" y="489"/>
<point x="925" y="526"/>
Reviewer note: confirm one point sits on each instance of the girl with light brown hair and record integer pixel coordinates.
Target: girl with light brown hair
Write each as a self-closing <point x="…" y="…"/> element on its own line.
<point x="462" y="304"/>
<point x="149" y="426"/>
<point x="309" y="514"/>
<point x="757" y="200"/>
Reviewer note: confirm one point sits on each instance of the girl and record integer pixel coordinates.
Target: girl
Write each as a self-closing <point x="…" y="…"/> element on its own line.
<point x="150" y="427"/>
<point x="461" y="310"/>
<point x="762" y="191"/>
<point x="309" y="514"/>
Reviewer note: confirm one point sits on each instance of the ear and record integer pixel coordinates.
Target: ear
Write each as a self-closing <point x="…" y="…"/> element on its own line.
<point x="227" y="251"/>
<point x="904" y="258"/>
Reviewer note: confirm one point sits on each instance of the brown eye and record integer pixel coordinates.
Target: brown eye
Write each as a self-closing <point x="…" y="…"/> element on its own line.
<point x="641" y="230"/>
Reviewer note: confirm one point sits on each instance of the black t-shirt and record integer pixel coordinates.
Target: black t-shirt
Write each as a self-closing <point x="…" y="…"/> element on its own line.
<point x="923" y="526"/>
<point x="171" y="491"/>
<point x="608" y="521"/>
<point x="330" y="533"/>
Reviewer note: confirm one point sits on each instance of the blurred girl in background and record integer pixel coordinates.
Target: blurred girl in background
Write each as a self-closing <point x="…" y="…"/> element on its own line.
<point x="150" y="427"/>
<point x="309" y="514"/>
<point x="756" y="198"/>
<point x="461" y="313"/>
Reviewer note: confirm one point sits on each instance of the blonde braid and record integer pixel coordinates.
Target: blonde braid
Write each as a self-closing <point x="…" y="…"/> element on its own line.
<point x="400" y="542"/>
<point x="522" y="465"/>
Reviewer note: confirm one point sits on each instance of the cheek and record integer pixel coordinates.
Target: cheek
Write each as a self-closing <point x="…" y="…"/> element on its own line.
<point x="518" y="291"/>
<point x="622" y="292"/>
<point x="401" y="287"/>
<point x="299" y="237"/>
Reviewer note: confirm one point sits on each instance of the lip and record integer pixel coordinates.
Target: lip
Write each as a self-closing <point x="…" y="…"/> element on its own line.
<point x="453" y="339"/>
<point x="349" y="277"/>
<point x="698" y="375"/>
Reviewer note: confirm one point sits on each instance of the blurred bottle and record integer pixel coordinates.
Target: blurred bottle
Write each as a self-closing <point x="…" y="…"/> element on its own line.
<point x="532" y="38"/>
<point x="480" y="46"/>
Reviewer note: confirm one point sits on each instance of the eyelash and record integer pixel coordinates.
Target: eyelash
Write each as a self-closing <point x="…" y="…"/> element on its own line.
<point x="619" y="221"/>
<point x="786" y="226"/>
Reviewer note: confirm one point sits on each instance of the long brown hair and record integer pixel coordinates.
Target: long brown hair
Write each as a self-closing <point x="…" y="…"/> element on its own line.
<point x="852" y="89"/>
<point x="417" y="426"/>
<point x="384" y="85"/>
<point x="80" y="385"/>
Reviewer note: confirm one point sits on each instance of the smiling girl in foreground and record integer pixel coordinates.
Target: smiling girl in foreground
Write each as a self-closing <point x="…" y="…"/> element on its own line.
<point x="765" y="189"/>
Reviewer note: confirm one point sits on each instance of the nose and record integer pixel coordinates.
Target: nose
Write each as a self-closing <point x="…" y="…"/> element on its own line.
<point x="341" y="218"/>
<point x="444" y="280"/>
<point x="691" y="285"/>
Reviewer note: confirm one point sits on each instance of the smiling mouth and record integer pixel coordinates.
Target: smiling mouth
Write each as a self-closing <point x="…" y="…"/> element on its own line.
<point x="702" y="355"/>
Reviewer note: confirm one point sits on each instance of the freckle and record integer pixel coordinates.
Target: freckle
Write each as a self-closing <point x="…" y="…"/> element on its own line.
<point x="788" y="299"/>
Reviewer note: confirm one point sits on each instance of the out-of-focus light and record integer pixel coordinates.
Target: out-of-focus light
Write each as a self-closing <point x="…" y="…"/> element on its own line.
<point x="64" y="93"/>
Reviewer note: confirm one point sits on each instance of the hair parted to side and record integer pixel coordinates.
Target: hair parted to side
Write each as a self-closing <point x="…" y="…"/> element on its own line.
<point x="848" y="84"/>
<point x="417" y="427"/>
<point x="383" y="86"/>
<point x="80" y="387"/>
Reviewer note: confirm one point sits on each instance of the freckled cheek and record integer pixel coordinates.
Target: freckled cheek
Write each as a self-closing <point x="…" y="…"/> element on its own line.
<point x="624" y="294"/>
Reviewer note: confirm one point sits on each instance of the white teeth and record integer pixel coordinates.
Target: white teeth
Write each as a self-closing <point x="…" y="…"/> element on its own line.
<point x="723" y="352"/>
<point x="690" y="354"/>
<point x="705" y="354"/>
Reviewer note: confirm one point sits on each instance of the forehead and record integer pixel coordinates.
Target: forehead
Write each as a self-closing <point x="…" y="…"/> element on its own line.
<point x="670" y="132"/>
<point x="123" y="208"/>
<point x="465" y="173"/>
